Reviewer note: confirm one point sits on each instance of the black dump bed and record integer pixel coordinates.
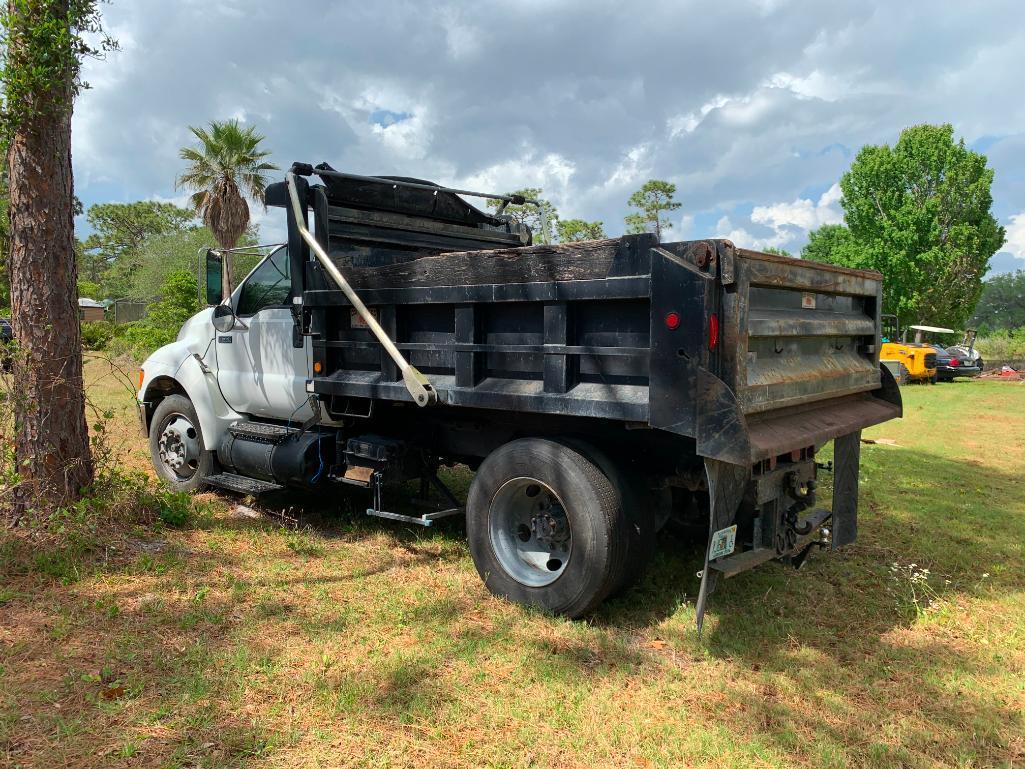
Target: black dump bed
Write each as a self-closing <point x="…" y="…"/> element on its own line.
<point x="749" y="354"/>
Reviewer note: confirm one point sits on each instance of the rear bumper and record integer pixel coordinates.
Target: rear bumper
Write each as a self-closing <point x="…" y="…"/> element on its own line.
<point x="777" y="433"/>
<point x="725" y="433"/>
<point x="949" y="372"/>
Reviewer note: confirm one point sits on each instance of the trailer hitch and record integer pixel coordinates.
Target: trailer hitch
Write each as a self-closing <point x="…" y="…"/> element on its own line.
<point x="416" y="383"/>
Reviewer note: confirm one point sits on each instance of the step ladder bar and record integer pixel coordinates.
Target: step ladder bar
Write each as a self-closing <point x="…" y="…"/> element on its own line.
<point x="426" y="519"/>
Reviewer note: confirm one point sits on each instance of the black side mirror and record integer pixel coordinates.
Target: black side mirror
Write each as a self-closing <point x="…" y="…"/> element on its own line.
<point x="224" y="318"/>
<point x="212" y="266"/>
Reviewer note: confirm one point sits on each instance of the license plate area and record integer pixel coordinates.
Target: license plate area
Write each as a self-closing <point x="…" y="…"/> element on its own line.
<point x="724" y="542"/>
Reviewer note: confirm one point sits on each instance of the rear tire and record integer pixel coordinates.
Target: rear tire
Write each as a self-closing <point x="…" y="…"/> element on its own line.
<point x="646" y="511"/>
<point x="546" y="527"/>
<point x="176" y="445"/>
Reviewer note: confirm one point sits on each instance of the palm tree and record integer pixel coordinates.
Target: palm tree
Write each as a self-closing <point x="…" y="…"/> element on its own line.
<point x="227" y="167"/>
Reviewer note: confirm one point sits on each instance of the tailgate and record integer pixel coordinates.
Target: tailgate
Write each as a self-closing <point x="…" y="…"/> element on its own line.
<point x="807" y="364"/>
<point x="811" y="332"/>
<point x="796" y="363"/>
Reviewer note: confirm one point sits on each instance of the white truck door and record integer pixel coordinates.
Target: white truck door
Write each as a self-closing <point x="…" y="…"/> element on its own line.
<point x="259" y="371"/>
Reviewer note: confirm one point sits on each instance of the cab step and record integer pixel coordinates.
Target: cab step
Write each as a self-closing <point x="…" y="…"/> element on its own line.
<point x="261" y="432"/>
<point x="242" y="484"/>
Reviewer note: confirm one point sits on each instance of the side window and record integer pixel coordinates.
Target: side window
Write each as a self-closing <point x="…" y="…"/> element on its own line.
<point x="268" y="286"/>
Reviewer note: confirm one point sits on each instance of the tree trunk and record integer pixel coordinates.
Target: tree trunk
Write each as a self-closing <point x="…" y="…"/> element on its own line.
<point x="227" y="275"/>
<point x="52" y="441"/>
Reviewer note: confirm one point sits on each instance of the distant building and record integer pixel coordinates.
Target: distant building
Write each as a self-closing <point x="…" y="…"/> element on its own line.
<point x="90" y="310"/>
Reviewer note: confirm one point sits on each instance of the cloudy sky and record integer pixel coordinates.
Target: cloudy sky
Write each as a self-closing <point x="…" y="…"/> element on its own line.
<point x="753" y="109"/>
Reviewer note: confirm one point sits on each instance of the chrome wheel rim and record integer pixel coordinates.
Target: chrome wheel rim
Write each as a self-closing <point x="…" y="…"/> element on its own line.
<point x="178" y="447"/>
<point x="530" y="531"/>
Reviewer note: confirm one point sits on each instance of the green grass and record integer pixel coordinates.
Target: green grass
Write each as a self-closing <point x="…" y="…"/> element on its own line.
<point x="345" y="641"/>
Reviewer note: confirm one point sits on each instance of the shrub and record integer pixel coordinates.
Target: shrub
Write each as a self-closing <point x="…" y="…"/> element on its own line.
<point x="96" y="335"/>
<point x="179" y="302"/>
<point x="90" y="290"/>
<point x="141" y="338"/>
<point x="1002" y="345"/>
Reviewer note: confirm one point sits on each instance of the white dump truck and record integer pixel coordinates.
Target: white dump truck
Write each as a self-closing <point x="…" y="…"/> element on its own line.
<point x="596" y="388"/>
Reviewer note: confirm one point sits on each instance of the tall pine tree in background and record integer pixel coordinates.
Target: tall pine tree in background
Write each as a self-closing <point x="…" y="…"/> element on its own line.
<point x="543" y="219"/>
<point x="577" y="230"/>
<point x="653" y="199"/>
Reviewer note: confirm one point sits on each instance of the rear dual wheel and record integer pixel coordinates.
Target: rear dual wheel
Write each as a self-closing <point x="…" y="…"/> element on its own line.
<point x="549" y="528"/>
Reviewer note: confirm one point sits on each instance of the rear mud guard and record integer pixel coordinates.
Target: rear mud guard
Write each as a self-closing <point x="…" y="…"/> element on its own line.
<point x="846" y="459"/>
<point x="727" y="483"/>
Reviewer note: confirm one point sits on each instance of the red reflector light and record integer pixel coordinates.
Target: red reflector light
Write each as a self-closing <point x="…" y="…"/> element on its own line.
<point x="713" y="331"/>
<point x="955" y="362"/>
<point x="672" y="320"/>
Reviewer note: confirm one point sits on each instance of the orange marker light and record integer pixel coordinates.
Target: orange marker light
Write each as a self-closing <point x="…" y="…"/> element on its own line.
<point x="142" y="375"/>
<point x="317" y="367"/>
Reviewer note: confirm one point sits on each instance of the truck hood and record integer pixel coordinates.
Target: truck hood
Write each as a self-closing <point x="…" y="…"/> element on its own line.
<point x="200" y="324"/>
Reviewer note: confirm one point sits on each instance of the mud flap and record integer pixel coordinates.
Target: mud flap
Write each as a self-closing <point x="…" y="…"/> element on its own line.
<point x="727" y="483"/>
<point x="846" y="459"/>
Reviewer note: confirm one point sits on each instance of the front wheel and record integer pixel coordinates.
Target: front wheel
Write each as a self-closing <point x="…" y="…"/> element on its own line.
<point x="176" y="445"/>
<point x="546" y="527"/>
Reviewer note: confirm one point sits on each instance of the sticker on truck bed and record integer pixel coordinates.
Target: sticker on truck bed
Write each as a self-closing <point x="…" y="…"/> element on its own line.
<point x="723" y="542"/>
<point x="808" y="301"/>
<point x="356" y="320"/>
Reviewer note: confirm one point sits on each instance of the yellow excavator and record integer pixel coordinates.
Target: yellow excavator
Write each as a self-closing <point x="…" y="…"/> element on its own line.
<point x="909" y="361"/>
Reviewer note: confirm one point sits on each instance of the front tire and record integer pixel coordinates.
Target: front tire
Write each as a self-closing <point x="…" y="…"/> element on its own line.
<point x="176" y="445"/>
<point x="546" y="527"/>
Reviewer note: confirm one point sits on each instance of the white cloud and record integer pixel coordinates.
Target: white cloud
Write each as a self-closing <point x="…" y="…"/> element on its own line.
<point x="747" y="109"/>
<point x="687" y="123"/>
<point x="741" y="237"/>
<point x="462" y="41"/>
<point x="552" y="173"/>
<point x="734" y="111"/>
<point x="1015" y="229"/>
<point x="804" y="214"/>
<point x="783" y="225"/>
<point x="631" y="169"/>
<point x="684" y="228"/>
<point x="410" y="138"/>
<point x="815" y="85"/>
<point x="270" y="223"/>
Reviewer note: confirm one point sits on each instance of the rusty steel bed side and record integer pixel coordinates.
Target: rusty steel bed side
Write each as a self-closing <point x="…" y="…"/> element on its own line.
<point x="762" y="256"/>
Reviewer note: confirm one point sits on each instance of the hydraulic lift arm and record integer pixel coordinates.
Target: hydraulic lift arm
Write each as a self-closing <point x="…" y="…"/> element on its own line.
<point x="419" y="387"/>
